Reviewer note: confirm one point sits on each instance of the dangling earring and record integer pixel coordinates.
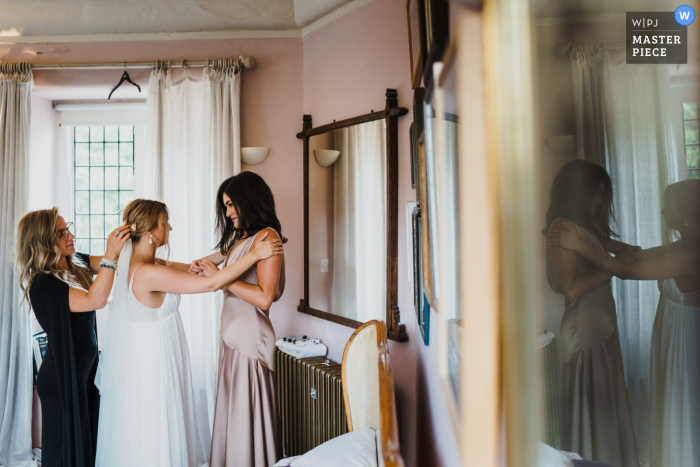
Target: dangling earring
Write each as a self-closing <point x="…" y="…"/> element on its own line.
<point x="150" y="240"/>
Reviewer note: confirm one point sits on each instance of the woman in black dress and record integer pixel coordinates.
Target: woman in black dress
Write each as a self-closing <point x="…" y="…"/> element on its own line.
<point x="63" y="295"/>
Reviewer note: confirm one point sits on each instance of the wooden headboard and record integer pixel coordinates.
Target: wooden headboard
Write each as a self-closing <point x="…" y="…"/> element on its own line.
<point x="368" y="390"/>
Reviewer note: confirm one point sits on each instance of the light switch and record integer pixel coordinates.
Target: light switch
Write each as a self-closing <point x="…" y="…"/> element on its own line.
<point x="324" y="265"/>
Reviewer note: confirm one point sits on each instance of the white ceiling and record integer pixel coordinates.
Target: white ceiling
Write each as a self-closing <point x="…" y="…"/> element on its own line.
<point x="88" y="17"/>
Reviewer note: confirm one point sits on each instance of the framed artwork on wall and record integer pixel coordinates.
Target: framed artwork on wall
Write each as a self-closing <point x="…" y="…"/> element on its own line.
<point x="436" y="20"/>
<point x="416" y="136"/>
<point x="420" y="302"/>
<point x="416" y="39"/>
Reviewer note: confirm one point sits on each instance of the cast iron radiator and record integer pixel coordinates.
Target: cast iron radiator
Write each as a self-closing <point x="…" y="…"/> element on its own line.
<point x="310" y="402"/>
<point x="550" y="393"/>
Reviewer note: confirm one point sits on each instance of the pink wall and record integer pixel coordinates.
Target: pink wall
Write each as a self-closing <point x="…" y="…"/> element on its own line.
<point x="320" y="225"/>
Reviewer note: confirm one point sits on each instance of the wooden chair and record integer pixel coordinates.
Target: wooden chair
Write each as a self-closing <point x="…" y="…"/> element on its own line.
<point x="368" y="390"/>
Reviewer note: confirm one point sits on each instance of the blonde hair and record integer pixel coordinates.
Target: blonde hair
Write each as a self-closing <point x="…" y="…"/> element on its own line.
<point x="36" y="252"/>
<point x="142" y="215"/>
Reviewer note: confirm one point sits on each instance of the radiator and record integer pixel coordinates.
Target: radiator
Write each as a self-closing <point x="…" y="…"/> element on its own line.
<point x="550" y="393"/>
<point x="310" y="402"/>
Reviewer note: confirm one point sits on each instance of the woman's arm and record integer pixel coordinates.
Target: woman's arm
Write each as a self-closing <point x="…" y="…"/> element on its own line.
<point x="263" y="293"/>
<point x="669" y="263"/>
<point x="197" y="266"/>
<point x="95" y="264"/>
<point x="153" y="278"/>
<point x="173" y="265"/>
<point x="96" y="297"/>
<point x="571" y="284"/>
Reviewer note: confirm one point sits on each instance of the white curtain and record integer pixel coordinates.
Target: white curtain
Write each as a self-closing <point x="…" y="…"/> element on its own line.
<point x="15" y="348"/>
<point x="623" y="123"/>
<point x="193" y="144"/>
<point x="359" y="217"/>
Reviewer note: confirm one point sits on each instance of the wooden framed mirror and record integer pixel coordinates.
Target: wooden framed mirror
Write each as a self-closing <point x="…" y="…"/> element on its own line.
<point x="351" y="219"/>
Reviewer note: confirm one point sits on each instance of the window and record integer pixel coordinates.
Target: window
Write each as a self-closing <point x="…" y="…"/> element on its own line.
<point x="692" y="141"/>
<point x="104" y="182"/>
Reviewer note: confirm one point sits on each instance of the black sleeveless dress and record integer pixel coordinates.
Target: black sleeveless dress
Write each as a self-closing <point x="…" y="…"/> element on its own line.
<point x="69" y="398"/>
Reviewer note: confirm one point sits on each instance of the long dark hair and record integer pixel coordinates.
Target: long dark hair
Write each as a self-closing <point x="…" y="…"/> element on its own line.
<point x="255" y="204"/>
<point x="571" y="195"/>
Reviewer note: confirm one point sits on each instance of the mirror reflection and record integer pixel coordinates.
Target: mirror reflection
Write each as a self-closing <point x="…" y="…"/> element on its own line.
<point x="347" y="222"/>
<point x="620" y="208"/>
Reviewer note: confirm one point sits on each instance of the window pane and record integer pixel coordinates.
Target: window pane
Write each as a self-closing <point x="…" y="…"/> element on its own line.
<point x="82" y="133"/>
<point x="111" y="178"/>
<point x="125" y="198"/>
<point x="97" y="154"/>
<point x="127" y="154"/>
<point x="692" y="156"/>
<point x="111" y="133"/>
<point x="96" y="202"/>
<point x="126" y="178"/>
<point x="111" y="154"/>
<point x="691" y="132"/>
<point x="96" y="178"/>
<point x="97" y="229"/>
<point x="82" y="154"/>
<point x="96" y="133"/>
<point x="694" y="174"/>
<point x="126" y="133"/>
<point x="82" y="178"/>
<point x="82" y="202"/>
<point x="82" y="245"/>
<point x="82" y="226"/>
<point x="111" y="223"/>
<point x="111" y="202"/>
<point x="97" y="247"/>
<point x="690" y="111"/>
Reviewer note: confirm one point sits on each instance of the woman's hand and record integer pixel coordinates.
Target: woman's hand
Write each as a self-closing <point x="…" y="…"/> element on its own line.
<point x="115" y="242"/>
<point x="266" y="248"/>
<point x="196" y="266"/>
<point x="206" y="268"/>
<point x="567" y="237"/>
<point x="630" y="254"/>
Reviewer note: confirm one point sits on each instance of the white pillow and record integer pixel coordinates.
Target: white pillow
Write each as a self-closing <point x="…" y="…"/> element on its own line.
<point x="355" y="449"/>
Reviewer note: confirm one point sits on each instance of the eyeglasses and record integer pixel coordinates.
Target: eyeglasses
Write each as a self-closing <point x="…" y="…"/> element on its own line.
<point x="63" y="233"/>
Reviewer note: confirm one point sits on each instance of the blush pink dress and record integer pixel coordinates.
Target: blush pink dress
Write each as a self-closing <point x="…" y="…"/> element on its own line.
<point x="246" y="429"/>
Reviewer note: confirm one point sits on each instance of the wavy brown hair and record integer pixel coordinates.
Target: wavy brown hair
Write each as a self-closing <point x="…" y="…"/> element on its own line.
<point x="571" y="195"/>
<point x="36" y="253"/>
<point x="255" y="205"/>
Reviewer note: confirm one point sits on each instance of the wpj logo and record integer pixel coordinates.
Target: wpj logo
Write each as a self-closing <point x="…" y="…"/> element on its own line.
<point x="658" y="37"/>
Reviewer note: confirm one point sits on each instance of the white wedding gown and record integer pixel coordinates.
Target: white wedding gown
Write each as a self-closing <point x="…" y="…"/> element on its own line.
<point x="147" y="415"/>
<point x="675" y="379"/>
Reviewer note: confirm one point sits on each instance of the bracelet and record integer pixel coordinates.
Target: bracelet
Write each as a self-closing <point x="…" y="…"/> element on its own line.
<point x="108" y="263"/>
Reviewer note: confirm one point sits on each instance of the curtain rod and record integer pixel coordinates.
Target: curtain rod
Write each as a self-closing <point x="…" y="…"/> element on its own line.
<point x="246" y="62"/>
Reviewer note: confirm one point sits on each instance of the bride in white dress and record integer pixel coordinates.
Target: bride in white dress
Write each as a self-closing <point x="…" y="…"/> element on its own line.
<point x="675" y="346"/>
<point x="147" y="413"/>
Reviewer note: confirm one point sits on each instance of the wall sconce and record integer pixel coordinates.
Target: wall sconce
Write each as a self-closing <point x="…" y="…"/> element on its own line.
<point x="326" y="157"/>
<point x="561" y="144"/>
<point x="253" y="156"/>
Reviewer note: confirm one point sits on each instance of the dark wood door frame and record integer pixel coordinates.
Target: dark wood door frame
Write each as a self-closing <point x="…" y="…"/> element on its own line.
<point x="391" y="113"/>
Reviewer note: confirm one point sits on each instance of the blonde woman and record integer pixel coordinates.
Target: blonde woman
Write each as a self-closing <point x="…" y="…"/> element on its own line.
<point x="58" y="282"/>
<point x="147" y="413"/>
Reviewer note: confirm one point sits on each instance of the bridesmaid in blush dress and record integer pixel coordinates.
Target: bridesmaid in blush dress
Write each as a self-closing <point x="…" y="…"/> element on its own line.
<point x="246" y="428"/>
<point x="596" y="421"/>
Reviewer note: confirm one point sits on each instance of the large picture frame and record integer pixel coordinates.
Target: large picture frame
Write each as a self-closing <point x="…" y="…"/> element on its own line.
<point x="415" y="11"/>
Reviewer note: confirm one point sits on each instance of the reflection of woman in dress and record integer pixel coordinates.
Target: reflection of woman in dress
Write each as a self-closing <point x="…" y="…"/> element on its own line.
<point x="597" y="422"/>
<point x="246" y="431"/>
<point x="675" y="347"/>
<point x="58" y="282"/>
<point x="147" y="416"/>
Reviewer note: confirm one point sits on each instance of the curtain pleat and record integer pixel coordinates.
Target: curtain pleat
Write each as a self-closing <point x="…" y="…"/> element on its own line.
<point x="623" y="124"/>
<point x="15" y="340"/>
<point x="193" y="144"/>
